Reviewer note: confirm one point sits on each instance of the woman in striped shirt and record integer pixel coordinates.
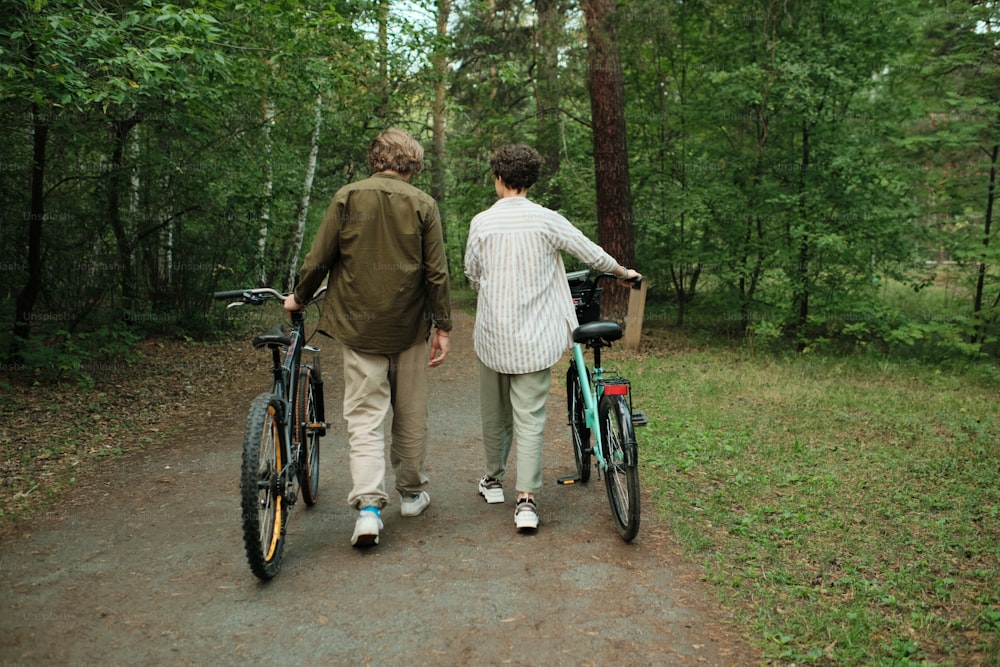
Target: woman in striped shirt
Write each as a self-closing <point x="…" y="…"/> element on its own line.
<point x="524" y="319"/>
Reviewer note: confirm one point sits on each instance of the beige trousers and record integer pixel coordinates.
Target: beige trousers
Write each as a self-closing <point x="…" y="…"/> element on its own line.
<point x="374" y="384"/>
<point x="514" y="406"/>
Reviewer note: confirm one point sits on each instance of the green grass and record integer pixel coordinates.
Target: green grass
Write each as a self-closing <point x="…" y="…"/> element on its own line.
<point x="847" y="508"/>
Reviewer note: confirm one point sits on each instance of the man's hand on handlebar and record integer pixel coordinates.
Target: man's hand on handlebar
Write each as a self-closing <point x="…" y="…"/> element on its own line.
<point x="291" y="305"/>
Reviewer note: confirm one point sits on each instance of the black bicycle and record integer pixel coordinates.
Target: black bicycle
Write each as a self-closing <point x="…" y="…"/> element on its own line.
<point x="281" y="441"/>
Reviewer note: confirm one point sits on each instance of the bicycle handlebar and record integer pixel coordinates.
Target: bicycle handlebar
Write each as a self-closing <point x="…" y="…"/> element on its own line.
<point x="634" y="284"/>
<point x="257" y="295"/>
<point x="591" y="286"/>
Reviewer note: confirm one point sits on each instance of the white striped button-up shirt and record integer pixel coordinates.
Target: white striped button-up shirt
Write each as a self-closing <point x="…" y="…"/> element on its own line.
<point x="525" y="316"/>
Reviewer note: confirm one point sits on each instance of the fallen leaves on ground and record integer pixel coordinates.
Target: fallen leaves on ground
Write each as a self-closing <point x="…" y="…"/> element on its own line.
<point x="52" y="432"/>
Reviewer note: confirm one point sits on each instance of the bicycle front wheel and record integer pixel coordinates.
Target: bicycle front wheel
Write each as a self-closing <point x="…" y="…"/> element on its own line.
<point x="308" y="433"/>
<point x="579" y="433"/>
<point x="260" y="488"/>
<point x="621" y="455"/>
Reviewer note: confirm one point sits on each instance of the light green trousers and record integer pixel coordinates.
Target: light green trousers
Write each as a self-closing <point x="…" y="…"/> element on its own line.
<point x="513" y="407"/>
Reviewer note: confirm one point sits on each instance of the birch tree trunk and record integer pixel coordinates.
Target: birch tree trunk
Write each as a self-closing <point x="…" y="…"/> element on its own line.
<point x="265" y="215"/>
<point x="303" y="207"/>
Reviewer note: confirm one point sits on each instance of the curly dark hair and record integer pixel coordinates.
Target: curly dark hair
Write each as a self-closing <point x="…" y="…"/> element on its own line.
<point x="518" y="165"/>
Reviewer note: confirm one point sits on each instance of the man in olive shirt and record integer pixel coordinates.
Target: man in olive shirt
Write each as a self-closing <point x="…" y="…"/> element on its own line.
<point x="382" y="247"/>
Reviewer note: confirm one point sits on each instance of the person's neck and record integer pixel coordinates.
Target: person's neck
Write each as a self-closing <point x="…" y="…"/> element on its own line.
<point x="393" y="172"/>
<point x="504" y="192"/>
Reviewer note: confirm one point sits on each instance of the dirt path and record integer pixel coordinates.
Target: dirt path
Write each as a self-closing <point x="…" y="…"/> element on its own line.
<point x="145" y="564"/>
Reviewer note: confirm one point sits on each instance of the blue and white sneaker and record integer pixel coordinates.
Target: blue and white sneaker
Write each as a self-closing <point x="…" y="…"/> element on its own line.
<point x="366" y="528"/>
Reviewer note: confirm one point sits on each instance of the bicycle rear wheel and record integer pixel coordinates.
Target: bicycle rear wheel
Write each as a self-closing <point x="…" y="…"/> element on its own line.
<point x="621" y="454"/>
<point x="579" y="433"/>
<point x="260" y="488"/>
<point x="308" y="434"/>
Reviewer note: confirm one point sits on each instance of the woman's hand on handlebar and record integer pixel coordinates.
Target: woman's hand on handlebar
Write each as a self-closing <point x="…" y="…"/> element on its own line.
<point x="631" y="275"/>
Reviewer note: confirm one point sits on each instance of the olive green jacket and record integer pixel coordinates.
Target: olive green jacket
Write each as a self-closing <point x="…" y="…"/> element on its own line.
<point x="382" y="247"/>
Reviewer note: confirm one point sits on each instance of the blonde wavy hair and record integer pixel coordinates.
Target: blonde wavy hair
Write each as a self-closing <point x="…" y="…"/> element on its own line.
<point x="396" y="150"/>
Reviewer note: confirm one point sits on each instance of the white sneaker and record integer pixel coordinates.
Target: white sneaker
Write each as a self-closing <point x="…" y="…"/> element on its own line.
<point x="414" y="505"/>
<point x="491" y="490"/>
<point x="526" y="515"/>
<point x="366" y="528"/>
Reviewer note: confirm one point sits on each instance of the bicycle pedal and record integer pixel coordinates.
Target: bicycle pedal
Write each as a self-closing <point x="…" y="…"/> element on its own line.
<point x="572" y="479"/>
<point x="639" y="419"/>
<point x="319" y="427"/>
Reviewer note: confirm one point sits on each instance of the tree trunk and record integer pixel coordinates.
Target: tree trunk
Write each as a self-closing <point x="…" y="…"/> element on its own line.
<point x="607" y="107"/>
<point x="802" y="277"/>
<point x="303" y="207"/>
<point x="547" y="98"/>
<point x="382" y="87"/>
<point x="25" y="303"/>
<point x="123" y="240"/>
<point x="987" y="227"/>
<point x="265" y="216"/>
<point x="440" y="61"/>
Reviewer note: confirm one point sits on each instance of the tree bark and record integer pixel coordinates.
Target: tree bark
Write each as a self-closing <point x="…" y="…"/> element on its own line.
<point x="607" y="107"/>
<point x="987" y="229"/>
<point x="440" y="62"/>
<point x="303" y="207"/>
<point x="803" y="287"/>
<point x="263" y="275"/>
<point x="25" y="302"/>
<point x="547" y="100"/>
<point x="123" y="240"/>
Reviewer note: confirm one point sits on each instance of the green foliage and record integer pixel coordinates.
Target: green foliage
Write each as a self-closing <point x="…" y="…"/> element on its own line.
<point x="75" y="357"/>
<point x="783" y="159"/>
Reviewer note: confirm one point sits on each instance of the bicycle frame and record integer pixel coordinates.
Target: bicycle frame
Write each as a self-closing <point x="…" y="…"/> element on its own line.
<point x="285" y="371"/>
<point x="285" y="386"/>
<point x="592" y="392"/>
<point x="590" y="400"/>
<point x="287" y="391"/>
<point x="598" y="385"/>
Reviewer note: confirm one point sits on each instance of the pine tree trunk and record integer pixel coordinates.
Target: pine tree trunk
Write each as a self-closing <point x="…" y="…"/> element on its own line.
<point x="607" y="107"/>
<point x="440" y="61"/>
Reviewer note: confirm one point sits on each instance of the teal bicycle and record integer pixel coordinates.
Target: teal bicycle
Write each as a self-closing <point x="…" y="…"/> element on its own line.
<point x="599" y="408"/>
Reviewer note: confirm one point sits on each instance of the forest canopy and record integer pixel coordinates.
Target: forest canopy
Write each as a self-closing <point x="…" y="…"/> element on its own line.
<point x="808" y="174"/>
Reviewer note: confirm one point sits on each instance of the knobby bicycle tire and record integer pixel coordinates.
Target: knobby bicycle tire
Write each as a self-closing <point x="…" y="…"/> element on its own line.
<point x="620" y="451"/>
<point x="579" y="433"/>
<point x="264" y="511"/>
<point x="306" y="413"/>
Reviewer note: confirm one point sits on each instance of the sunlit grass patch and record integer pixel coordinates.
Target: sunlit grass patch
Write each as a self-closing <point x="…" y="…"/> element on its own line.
<point x="848" y="508"/>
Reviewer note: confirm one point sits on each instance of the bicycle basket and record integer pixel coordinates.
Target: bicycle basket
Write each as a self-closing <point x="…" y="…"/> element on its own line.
<point x="580" y="287"/>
